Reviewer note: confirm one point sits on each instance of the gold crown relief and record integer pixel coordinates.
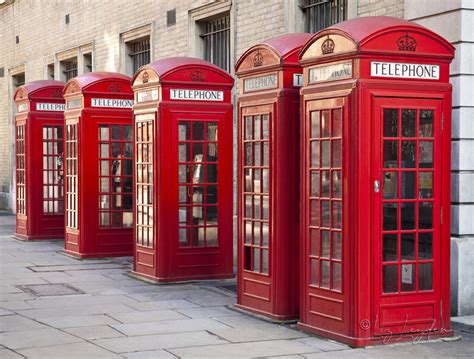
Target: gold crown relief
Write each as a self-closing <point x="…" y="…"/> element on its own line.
<point x="57" y="93"/>
<point x="406" y="43"/>
<point x="197" y="76"/>
<point x="258" y="59"/>
<point x="328" y="46"/>
<point x="145" y="77"/>
<point x="115" y="87"/>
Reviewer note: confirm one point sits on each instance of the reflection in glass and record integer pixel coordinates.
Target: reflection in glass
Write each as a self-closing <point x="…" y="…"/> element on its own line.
<point x="390" y="185"/>
<point x="211" y="173"/>
<point x="183" y="236"/>
<point x="256" y="181"/>
<point x="408" y="215"/>
<point x="257" y="128"/>
<point x="390" y="216"/>
<point x="248" y="154"/>
<point x="266" y="154"/>
<point x="184" y="154"/>
<point x="315" y="154"/>
<point x="337" y="122"/>
<point x="104" y="168"/>
<point x="256" y="151"/>
<point x="425" y="185"/>
<point x="325" y="184"/>
<point x="256" y="260"/>
<point x="248" y="206"/>
<point x="390" y="247"/>
<point x="314" y="184"/>
<point x="127" y="133"/>
<point x="425" y="215"/>
<point x="265" y="127"/>
<point x="390" y="122"/>
<point x="426" y="123"/>
<point x="115" y="132"/>
<point x="336" y="276"/>
<point x="407" y="246"/>
<point x="408" y="185"/>
<point x="425" y="245"/>
<point x="104" y="219"/>
<point x="265" y="234"/>
<point x="408" y="154"/>
<point x="104" y="184"/>
<point x="325" y="123"/>
<point x="390" y="154"/>
<point x="265" y="180"/>
<point x="211" y="131"/>
<point x="104" y="133"/>
<point x="425" y="276"/>
<point x="198" y="131"/>
<point x="248" y="232"/>
<point x="264" y="261"/>
<point x="183" y="171"/>
<point x="248" y="127"/>
<point x="325" y="274"/>
<point x="325" y="153"/>
<point x="314" y="272"/>
<point x="183" y="194"/>
<point x="337" y="214"/>
<point x="315" y="124"/>
<point x="325" y="240"/>
<point x="104" y="150"/>
<point x="248" y="180"/>
<point x="256" y="207"/>
<point x="326" y="214"/>
<point x="408" y="123"/>
<point x="314" y="213"/>
<point x="336" y="153"/>
<point x="336" y="184"/>
<point x="265" y="208"/>
<point x="336" y="245"/>
<point x="314" y="242"/>
<point x="184" y="132"/>
<point x="390" y="279"/>
<point x="426" y="154"/>
<point x="211" y="236"/>
<point x="407" y="280"/>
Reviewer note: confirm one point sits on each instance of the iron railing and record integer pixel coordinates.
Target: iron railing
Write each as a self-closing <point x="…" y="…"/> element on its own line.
<point x="217" y="42"/>
<point x="320" y="14"/>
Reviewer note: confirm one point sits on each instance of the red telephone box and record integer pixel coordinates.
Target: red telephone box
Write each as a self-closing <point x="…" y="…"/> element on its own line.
<point x="39" y="160"/>
<point x="375" y="199"/>
<point x="99" y="162"/>
<point x="183" y="170"/>
<point x="268" y="177"/>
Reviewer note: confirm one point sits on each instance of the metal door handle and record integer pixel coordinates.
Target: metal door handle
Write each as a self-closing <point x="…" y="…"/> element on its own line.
<point x="376" y="186"/>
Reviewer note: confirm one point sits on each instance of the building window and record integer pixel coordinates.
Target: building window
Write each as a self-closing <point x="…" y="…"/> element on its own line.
<point x="320" y="14"/>
<point x="87" y="61"/>
<point x="216" y="38"/>
<point x="50" y="71"/>
<point x="139" y="53"/>
<point x="18" y="80"/>
<point x="69" y="69"/>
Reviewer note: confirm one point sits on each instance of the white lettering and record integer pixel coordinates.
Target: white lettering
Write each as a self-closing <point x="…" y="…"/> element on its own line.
<point x="331" y="72"/>
<point x="297" y="80"/>
<point x="41" y="106"/>
<point x="260" y="83"/>
<point x="404" y="70"/>
<point x="196" y="95"/>
<point x="148" y="95"/>
<point x="112" y="102"/>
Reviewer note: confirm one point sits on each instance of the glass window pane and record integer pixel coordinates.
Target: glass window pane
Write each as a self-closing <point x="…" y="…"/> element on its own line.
<point x="198" y="131"/>
<point x="248" y="127"/>
<point x="408" y="215"/>
<point x="337" y="122"/>
<point x="325" y="243"/>
<point x="426" y="154"/>
<point x="256" y="181"/>
<point x="407" y="246"/>
<point x="248" y="154"/>
<point x="211" y="173"/>
<point x="104" y="150"/>
<point x="183" y="236"/>
<point x="315" y="154"/>
<point x="390" y="279"/>
<point x="336" y="184"/>
<point x="256" y="260"/>
<point x="184" y="153"/>
<point x="325" y="153"/>
<point x="390" y="122"/>
<point x="264" y="261"/>
<point x="407" y="278"/>
<point x="256" y="151"/>
<point x="265" y="212"/>
<point x="390" y="185"/>
<point x="104" y="133"/>
<point x="183" y="194"/>
<point x="408" y="185"/>
<point x="104" y="184"/>
<point x="265" y="180"/>
<point x="325" y="274"/>
<point x="127" y="133"/>
<point x="248" y="180"/>
<point x="336" y="245"/>
<point x="248" y="207"/>
<point x="183" y="173"/>
<point x="337" y="214"/>
<point x="266" y="154"/>
<point x="211" y="236"/>
<point x="104" y="168"/>
<point x="408" y="123"/>
<point x="116" y="132"/>
<point x="390" y="216"/>
<point x="336" y="276"/>
<point x="325" y="184"/>
<point x="325" y="123"/>
<point x="390" y="248"/>
<point x="256" y="207"/>
<point x="326" y="214"/>
<point x="257" y="127"/>
<point x="426" y="123"/>
<point x="314" y="184"/>
<point x="104" y="219"/>
<point x="425" y="215"/>
<point x="265" y="234"/>
<point x="314" y="272"/>
<point x="184" y="131"/>
<point x="425" y="245"/>
<point x="425" y="276"/>
<point x="336" y="153"/>
<point x="211" y="131"/>
<point x="314" y="213"/>
<point x="315" y="124"/>
<point x="425" y="185"/>
<point x="265" y="127"/>
<point x="314" y="242"/>
<point x="116" y="151"/>
<point x="248" y="232"/>
<point x="408" y="154"/>
<point x="390" y="154"/>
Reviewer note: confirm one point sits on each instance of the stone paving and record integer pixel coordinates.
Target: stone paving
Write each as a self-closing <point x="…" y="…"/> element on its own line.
<point x="115" y="316"/>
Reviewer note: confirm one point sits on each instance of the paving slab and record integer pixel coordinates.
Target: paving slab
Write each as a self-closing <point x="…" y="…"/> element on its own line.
<point x="162" y="304"/>
<point x="75" y="310"/>
<point x="169" y="326"/>
<point x="150" y="316"/>
<point x="150" y="354"/>
<point x="464" y="324"/>
<point x="94" y="332"/>
<point x="9" y="354"/>
<point x="69" y="351"/>
<point x="5" y="312"/>
<point x="77" y="321"/>
<point x="159" y="341"/>
<point x="10" y="323"/>
<point x="208" y="312"/>
<point x="36" y="338"/>
<point x="323" y="344"/>
<point x="250" y="334"/>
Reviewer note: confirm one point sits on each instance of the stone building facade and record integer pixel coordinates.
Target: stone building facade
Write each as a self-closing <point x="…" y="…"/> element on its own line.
<point x="46" y="39"/>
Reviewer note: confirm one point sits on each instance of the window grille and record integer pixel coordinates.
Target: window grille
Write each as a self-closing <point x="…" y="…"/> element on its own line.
<point x="70" y="69"/>
<point x="217" y="42"/>
<point x="19" y="80"/>
<point x="320" y="14"/>
<point x="139" y="53"/>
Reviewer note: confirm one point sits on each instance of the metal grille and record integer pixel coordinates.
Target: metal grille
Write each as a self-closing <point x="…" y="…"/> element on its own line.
<point x="217" y="42"/>
<point x="140" y="53"/>
<point x="70" y="69"/>
<point x="320" y="14"/>
<point x="19" y="80"/>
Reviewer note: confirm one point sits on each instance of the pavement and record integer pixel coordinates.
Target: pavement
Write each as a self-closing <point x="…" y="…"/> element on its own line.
<point x="54" y="306"/>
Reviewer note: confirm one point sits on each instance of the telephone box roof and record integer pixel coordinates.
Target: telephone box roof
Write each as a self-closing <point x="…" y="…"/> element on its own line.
<point x="31" y="88"/>
<point x="83" y="82"/>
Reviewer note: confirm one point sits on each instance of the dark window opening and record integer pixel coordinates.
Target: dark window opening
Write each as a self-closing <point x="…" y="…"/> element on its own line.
<point x="320" y="14"/>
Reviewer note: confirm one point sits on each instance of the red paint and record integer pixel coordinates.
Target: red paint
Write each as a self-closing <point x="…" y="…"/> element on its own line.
<point x="183" y="171"/>
<point x="364" y="306"/>
<point x="39" y="175"/>
<point x="268" y="213"/>
<point x="98" y="166"/>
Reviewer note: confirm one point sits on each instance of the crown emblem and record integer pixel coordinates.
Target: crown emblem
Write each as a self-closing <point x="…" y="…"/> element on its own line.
<point x="145" y="77"/>
<point x="328" y="46"/>
<point x="258" y="59"/>
<point x="114" y="87"/>
<point x="57" y="93"/>
<point x="197" y="76"/>
<point x="406" y="43"/>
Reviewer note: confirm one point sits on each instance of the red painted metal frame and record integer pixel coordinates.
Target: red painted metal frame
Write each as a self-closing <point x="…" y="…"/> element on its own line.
<point x="354" y="317"/>
<point x="34" y="224"/>
<point x="89" y="239"/>
<point x="162" y="259"/>
<point x="273" y="291"/>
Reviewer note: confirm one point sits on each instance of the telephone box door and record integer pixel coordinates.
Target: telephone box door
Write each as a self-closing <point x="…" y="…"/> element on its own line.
<point x="407" y="221"/>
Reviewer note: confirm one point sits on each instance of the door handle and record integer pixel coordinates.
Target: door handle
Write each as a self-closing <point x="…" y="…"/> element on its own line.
<point x="376" y="186"/>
